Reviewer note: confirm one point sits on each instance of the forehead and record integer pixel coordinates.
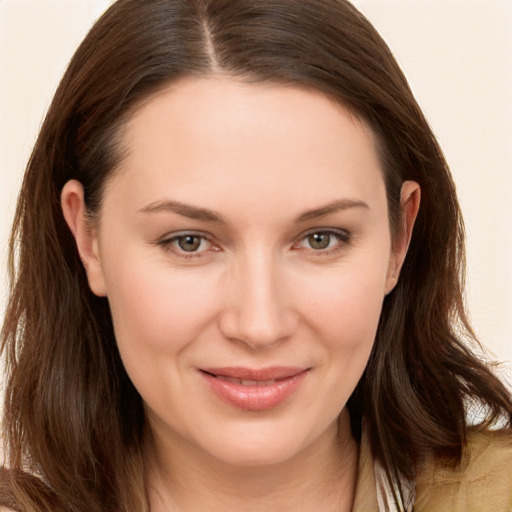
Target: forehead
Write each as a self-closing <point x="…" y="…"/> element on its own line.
<point x="204" y="136"/>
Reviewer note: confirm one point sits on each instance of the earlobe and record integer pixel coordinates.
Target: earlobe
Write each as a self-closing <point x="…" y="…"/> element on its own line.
<point x="73" y="209"/>
<point x="409" y="206"/>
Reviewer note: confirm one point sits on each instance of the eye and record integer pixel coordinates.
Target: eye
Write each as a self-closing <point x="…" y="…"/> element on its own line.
<point x="324" y="241"/>
<point x="320" y="240"/>
<point x="187" y="245"/>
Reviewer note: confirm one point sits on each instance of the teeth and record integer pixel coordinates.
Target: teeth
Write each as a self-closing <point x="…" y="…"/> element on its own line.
<point x="246" y="382"/>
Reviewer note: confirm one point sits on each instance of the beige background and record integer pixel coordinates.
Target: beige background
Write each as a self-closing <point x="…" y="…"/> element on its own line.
<point x="457" y="55"/>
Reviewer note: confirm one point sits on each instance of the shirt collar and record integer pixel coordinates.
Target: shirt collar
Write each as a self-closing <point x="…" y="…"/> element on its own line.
<point x="373" y="491"/>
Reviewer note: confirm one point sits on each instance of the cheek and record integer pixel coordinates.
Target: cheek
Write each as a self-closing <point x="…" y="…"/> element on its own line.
<point x="158" y="314"/>
<point x="341" y="312"/>
<point x="346" y="305"/>
<point x="349" y="320"/>
<point x="157" y="309"/>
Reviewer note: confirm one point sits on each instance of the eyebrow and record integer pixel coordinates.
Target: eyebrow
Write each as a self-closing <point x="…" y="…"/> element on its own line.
<point x="205" y="215"/>
<point x="186" y="210"/>
<point x="335" y="206"/>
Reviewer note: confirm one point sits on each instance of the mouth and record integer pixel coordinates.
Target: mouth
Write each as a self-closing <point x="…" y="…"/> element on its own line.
<point x="254" y="389"/>
<point x="246" y="382"/>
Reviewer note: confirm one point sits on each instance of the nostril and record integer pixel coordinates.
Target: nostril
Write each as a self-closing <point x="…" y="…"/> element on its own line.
<point x="257" y="333"/>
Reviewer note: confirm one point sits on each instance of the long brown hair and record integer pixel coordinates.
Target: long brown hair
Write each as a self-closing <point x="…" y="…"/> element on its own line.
<point x="73" y="421"/>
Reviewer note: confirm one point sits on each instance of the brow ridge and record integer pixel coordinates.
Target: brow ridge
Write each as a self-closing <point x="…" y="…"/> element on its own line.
<point x="186" y="210"/>
<point x="203" y="214"/>
<point x="333" y="207"/>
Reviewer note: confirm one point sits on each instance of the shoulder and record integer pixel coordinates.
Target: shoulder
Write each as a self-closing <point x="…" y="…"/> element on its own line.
<point x="482" y="482"/>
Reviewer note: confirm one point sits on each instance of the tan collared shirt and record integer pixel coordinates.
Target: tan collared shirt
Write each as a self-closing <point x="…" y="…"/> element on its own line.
<point x="482" y="482"/>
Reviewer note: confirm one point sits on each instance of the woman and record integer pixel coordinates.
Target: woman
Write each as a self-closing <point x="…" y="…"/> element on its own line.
<point x="238" y="279"/>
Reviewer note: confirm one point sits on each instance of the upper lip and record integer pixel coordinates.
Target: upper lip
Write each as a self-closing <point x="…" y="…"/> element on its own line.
<point x="256" y="374"/>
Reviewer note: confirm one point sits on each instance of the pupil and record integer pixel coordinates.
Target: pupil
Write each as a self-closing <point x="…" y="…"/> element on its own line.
<point x="189" y="243"/>
<point x="319" y="240"/>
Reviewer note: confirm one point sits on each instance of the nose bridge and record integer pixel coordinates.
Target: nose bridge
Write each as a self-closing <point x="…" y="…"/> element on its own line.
<point x="259" y="310"/>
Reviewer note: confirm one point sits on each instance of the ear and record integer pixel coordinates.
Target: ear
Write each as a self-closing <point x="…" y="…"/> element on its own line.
<point x="73" y="208"/>
<point x="409" y="205"/>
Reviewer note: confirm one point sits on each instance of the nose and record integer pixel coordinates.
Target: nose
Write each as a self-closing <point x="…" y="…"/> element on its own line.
<point x="258" y="308"/>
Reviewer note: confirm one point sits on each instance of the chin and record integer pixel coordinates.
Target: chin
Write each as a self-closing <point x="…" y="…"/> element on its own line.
<point x="252" y="447"/>
<point x="251" y="457"/>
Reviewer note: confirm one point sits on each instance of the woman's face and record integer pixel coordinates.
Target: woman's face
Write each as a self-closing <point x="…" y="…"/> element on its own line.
<point x="245" y="250"/>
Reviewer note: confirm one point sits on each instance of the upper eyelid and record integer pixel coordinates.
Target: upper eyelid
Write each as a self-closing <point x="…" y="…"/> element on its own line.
<point x="324" y="230"/>
<point x="335" y="231"/>
<point x="178" y="234"/>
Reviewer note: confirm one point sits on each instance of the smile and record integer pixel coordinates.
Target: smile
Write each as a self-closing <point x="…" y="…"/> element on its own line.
<point x="244" y="382"/>
<point x="254" y="390"/>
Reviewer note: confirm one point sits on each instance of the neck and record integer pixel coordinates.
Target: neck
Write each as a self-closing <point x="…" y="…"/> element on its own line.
<point x="320" y="477"/>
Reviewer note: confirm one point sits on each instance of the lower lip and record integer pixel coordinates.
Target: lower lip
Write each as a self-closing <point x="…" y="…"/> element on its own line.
<point x="255" y="398"/>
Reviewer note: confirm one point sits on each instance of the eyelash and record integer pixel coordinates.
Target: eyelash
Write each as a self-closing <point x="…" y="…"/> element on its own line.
<point x="343" y="238"/>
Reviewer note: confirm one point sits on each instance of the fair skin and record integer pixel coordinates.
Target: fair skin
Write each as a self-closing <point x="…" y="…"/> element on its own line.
<point x="245" y="238"/>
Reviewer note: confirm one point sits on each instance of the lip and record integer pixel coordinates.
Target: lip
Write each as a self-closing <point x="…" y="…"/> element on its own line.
<point x="254" y="389"/>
